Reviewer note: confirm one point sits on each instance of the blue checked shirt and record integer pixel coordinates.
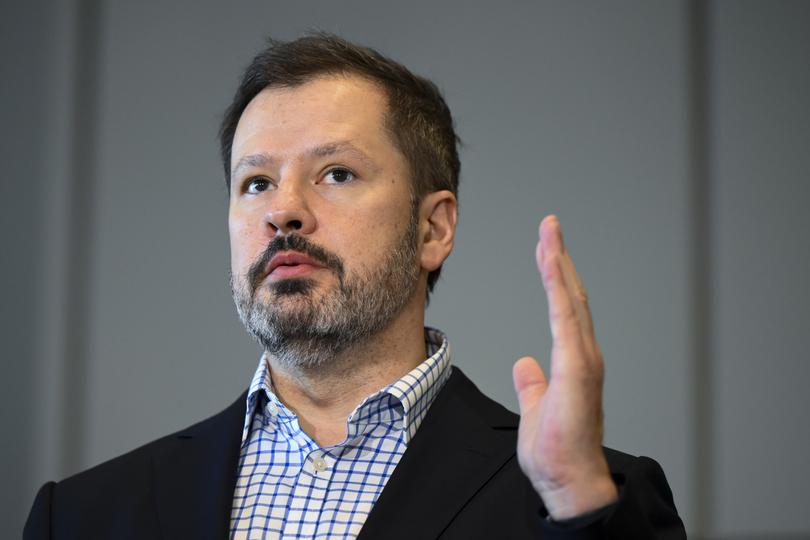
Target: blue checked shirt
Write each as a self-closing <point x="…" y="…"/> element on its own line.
<point x="289" y="487"/>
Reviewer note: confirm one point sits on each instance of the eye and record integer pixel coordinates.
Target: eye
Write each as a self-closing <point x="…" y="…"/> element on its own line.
<point x="257" y="184"/>
<point x="339" y="175"/>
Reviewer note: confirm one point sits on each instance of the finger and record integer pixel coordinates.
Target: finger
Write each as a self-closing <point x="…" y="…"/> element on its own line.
<point x="579" y="297"/>
<point x="563" y="319"/>
<point x="575" y="288"/>
<point x="550" y="238"/>
<point x="573" y="283"/>
<point x="530" y="382"/>
<point x="576" y="291"/>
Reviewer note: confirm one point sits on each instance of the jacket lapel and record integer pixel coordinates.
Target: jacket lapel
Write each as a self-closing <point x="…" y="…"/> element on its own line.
<point x="195" y="476"/>
<point x="462" y="442"/>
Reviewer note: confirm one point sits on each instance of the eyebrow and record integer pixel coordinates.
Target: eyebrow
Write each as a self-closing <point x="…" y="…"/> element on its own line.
<point x="252" y="160"/>
<point x="264" y="159"/>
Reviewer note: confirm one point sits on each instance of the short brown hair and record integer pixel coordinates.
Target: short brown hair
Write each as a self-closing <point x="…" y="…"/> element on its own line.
<point x="418" y="118"/>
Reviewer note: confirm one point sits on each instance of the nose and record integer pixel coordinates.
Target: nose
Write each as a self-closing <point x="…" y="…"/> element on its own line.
<point x="288" y="211"/>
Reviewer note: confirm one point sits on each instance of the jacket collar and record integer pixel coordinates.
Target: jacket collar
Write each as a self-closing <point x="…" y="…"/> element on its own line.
<point x="195" y="476"/>
<point x="463" y="441"/>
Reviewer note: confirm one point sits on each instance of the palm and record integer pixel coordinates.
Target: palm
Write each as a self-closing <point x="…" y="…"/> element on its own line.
<point x="560" y="435"/>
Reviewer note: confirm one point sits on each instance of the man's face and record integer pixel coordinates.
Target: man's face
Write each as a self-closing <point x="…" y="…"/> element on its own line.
<point x="324" y="236"/>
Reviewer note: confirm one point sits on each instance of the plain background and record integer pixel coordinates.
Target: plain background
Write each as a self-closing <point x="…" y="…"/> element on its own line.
<point x="670" y="137"/>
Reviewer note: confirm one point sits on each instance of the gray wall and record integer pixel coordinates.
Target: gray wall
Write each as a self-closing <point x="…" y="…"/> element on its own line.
<point x="761" y="169"/>
<point x="117" y="317"/>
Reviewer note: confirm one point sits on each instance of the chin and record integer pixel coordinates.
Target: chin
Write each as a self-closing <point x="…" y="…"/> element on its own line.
<point x="292" y="287"/>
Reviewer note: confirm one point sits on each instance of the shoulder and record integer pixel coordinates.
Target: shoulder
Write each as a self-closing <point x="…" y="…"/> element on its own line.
<point x="121" y="494"/>
<point x="460" y="390"/>
<point x="639" y="473"/>
<point x="467" y="431"/>
<point x="137" y="462"/>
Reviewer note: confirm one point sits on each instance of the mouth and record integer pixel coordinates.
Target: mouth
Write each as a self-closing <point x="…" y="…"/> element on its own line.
<point x="290" y="264"/>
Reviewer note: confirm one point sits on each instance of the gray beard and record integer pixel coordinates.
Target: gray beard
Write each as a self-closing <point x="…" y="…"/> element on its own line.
<point x="309" y="332"/>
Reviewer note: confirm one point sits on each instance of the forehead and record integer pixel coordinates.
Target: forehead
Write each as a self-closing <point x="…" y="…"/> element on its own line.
<point x="325" y="109"/>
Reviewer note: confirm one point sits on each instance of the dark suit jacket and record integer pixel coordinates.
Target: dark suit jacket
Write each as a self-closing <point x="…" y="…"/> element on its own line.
<point x="458" y="478"/>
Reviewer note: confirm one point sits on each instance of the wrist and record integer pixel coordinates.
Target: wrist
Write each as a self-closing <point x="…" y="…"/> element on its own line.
<point x="576" y="499"/>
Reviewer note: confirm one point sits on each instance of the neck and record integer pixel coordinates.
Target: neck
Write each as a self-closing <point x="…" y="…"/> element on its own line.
<point x="323" y="397"/>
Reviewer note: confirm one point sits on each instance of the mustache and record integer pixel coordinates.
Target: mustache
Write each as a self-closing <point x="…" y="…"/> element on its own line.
<point x="293" y="243"/>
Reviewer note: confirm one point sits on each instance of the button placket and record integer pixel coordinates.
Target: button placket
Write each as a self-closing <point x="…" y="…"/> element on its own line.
<point x="320" y="464"/>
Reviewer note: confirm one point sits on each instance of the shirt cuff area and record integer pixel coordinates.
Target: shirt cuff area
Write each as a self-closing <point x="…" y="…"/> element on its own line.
<point x="585" y="527"/>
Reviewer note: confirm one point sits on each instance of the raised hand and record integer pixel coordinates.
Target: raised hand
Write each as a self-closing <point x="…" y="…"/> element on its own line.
<point x="561" y="427"/>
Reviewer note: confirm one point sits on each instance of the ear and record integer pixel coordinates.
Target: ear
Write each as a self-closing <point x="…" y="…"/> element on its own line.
<point x="438" y="214"/>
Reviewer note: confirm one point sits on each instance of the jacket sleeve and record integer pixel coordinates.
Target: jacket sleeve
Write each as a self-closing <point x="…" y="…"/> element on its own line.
<point x="645" y="510"/>
<point x="38" y="524"/>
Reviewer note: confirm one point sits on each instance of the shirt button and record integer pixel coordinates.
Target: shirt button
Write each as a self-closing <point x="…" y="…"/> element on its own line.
<point x="320" y="464"/>
<point x="272" y="409"/>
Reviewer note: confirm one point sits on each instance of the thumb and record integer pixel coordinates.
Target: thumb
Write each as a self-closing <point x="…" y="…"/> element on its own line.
<point x="530" y="382"/>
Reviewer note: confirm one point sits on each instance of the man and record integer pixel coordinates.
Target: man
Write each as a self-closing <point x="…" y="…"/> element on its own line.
<point x="342" y="172"/>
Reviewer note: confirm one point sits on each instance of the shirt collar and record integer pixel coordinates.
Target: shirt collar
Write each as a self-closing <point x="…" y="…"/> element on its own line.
<point x="412" y="394"/>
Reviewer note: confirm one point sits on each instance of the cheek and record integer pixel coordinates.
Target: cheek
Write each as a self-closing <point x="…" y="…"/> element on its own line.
<point x="244" y="243"/>
<point x="374" y="232"/>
